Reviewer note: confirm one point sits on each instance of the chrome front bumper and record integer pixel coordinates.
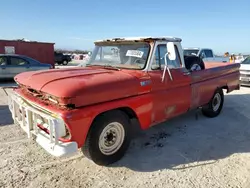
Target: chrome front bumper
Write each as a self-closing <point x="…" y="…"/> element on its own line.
<point x="29" y="117"/>
<point x="245" y="81"/>
<point x="245" y="77"/>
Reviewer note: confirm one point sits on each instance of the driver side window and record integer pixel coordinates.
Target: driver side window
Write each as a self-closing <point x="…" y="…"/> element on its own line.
<point x="16" y="61"/>
<point x="159" y="61"/>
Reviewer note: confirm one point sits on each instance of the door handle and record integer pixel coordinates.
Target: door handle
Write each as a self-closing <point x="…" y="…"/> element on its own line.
<point x="186" y="73"/>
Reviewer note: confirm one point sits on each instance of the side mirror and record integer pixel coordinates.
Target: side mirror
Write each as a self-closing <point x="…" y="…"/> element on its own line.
<point x="166" y="68"/>
<point x="171" y="51"/>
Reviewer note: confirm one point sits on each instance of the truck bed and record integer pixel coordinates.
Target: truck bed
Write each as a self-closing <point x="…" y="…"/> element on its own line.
<point x="215" y="74"/>
<point x="213" y="70"/>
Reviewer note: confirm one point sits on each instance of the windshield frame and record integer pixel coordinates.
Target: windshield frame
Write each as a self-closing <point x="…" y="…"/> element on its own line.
<point x="95" y="51"/>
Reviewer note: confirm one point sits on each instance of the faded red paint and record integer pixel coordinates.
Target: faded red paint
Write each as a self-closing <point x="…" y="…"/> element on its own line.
<point x="43" y="52"/>
<point x="95" y="90"/>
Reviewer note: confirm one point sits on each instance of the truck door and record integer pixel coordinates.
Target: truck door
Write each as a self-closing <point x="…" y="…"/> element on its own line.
<point x="170" y="97"/>
<point x="208" y="55"/>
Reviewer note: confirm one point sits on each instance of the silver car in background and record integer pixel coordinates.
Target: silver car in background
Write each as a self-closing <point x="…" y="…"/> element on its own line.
<point x="206" y="54"/>
<point x="245" y="72"/>
<point x="12" y="64"/>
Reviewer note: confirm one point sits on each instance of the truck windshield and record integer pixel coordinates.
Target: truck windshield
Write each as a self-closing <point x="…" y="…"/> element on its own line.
<point x="120" y="55"/>
<point x="246" y="61"/>
<point x="190" y="52"/>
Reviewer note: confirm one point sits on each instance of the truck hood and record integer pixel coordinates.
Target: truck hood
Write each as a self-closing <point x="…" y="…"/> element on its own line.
<point x="85" y="86"/>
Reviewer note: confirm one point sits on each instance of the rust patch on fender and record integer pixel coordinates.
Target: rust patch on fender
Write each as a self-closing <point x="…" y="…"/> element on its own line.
<point x="169" y="110"/>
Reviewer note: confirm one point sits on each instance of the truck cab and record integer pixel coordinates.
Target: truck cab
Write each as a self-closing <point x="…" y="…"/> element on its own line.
<point x="144" y="54"/>
<point x="60" y="58"/>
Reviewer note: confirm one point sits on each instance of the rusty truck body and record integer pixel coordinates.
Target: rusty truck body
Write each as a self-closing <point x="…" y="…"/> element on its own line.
<point x="91" y="108"/>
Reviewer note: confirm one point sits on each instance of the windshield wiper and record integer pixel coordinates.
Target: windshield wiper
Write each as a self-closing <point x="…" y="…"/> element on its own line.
<point x="110" y="67"/>
<point x="107" y="66"/>
<point x="90" y="65"/>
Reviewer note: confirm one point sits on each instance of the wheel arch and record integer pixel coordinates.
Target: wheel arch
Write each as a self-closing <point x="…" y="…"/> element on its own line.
<point x="138" y="111"/>
<point x="224" y="87"/>
<point x="131" y="114"/>
<point x="208" y="109"/>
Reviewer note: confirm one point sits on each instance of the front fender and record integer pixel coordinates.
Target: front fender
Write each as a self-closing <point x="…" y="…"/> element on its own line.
<point x="79" y="120"/>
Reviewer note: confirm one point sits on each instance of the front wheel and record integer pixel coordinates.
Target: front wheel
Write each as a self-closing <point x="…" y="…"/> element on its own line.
<point x="214" y="107"/>
<point x="108" y="138"/>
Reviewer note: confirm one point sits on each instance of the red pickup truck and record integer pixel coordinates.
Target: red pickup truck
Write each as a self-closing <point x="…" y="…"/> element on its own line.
<point x="91" y="107"/>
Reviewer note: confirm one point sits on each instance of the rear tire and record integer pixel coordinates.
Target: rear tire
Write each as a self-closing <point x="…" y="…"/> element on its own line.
<point x="214" y="107"/>
<point x="65" y="62"/>
<point x="108" y="138"/>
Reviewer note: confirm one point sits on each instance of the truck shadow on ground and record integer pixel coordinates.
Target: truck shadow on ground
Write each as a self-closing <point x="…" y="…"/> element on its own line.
<point x="187" y="142"/>
<point x="7" y="83"/>
<point x="5" y="116"/>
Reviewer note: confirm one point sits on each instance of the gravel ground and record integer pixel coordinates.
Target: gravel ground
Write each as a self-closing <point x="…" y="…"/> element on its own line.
<point x="184" y="153"/>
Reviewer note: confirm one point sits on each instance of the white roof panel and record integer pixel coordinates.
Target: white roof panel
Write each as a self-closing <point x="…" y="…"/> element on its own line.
<point x="192" y="48"/>
<point x="167" y="38"/>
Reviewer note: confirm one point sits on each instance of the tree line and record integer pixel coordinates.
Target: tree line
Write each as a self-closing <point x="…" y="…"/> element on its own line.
<point x="72" y="51"/>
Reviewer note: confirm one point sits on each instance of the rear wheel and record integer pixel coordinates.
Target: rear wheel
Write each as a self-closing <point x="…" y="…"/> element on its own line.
<point x="65" y="62"/>
<point x="214" y="107"/>
<point x="108" y="138"/>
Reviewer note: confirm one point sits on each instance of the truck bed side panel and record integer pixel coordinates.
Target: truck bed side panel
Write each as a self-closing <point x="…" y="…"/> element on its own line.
<point x="205" y="82"/>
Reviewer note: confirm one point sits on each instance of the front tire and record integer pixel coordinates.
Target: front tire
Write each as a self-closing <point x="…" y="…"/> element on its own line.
<point x="214" y="107"/>
<point x="108" y="138"/>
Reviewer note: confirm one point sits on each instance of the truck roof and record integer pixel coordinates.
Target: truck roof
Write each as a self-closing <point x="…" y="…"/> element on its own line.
<point x="142" y="39"/>
<point x="191" y="48"/>
<point x="194" y="48"/>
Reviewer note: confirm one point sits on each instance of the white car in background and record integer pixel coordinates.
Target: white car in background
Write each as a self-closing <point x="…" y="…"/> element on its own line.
<point x="206" y="54"/>
<point x="239" y="59"/>
<point x="245" y="72"/>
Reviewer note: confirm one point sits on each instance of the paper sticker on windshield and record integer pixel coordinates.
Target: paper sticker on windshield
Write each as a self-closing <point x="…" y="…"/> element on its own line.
<point x="134" y="53"/>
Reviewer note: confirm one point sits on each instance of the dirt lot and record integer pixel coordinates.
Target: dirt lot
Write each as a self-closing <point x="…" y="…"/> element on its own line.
<point x="185" y="152"/>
